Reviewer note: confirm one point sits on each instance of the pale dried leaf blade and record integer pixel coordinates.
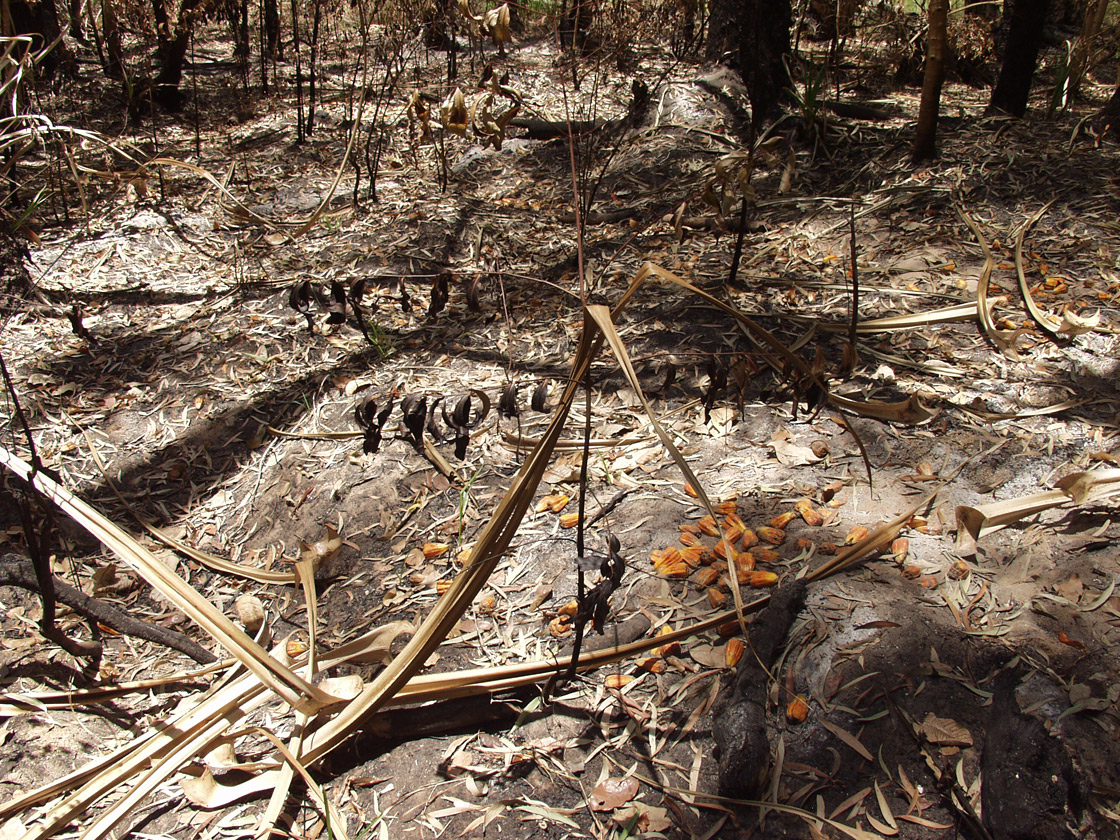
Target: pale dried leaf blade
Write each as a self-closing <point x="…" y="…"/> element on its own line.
<point x="1094" y="486"/>
<point x="945" y="315"/>
<point x="205" y="792"/>
<point x="849" y="739"/>
<point x="1044" y="321"/>
<point x="1074" y="324"/>
<point x="976" y="522"/>
<point x="602" y="318"/>
<point x="278" y="677"/>
<point x="1004" y="340"/>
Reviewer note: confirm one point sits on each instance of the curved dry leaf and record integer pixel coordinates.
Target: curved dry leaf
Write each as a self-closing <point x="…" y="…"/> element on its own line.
<point x="1004" y="340"/>
<point x="910" y="410"/>
<point x="645" y="818"/>
<point x="497" y="24"/>
<point x="709" y="656"/>
<point x="465" y="10"/>
<point x="612" y="793"/>
<point x="788" y="453"/>
<point x="1081" y="488"/>
<point x="849" y="739"/>
<point x="324" y="550"/>
<point x="344" y="688"/>
<point x="222" y="757"/>
<point x="1044" y="321"/>
<point x="1084" y="487"/>
<point x="1074" y="324"/>
<point x="454" y="113"/>
<point x="945" y="732"/>
<point x="205" y="792"/>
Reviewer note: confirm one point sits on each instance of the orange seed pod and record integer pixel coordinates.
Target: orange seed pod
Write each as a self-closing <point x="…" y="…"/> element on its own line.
<point x="728" y="628"/>
<point x="774" y="536"/>
<point x="558" y="502"/>
<point x="295" y="648"/>
<point x="782" y="520"/>
<point x="724" y="551"/>
<point x="797" y="710"/>
<point x="693" y="555"/>
<point x="899" y="549"/>
<point x="689" y="539"/>
<point x="668" y="649"/>
<point x="959" y="570"/>
<point x="705" y="577"/>
<point x="733" y="652"/>
<point x="708" y="526"/>
<point x="857" y="534"/>
<point x="435" y="549"/>
<point x="678" y="570"/>
<point x="761" y="580"/>
<point x="761" y="554"/>
<point x="808" y="513"/>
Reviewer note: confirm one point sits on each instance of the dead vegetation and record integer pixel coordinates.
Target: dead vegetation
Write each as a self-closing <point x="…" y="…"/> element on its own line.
<point x="457" y="415"/>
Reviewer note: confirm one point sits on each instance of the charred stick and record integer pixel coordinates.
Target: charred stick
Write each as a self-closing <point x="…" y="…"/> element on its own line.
<point x="18" y="571"/>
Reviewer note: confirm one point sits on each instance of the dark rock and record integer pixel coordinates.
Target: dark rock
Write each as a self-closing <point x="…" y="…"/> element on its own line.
<point x="740" y="729"/>
<point x="1028" y="784"/>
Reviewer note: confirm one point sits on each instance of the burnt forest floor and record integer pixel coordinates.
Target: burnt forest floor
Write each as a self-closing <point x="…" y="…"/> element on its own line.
<point x="219" y="416"/>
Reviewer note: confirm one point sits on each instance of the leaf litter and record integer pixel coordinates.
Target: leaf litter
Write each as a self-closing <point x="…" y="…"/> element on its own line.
<point x="178" y="437"/>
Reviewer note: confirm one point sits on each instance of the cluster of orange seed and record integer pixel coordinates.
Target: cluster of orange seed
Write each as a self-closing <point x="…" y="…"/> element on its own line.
<point x="738" y="547"/>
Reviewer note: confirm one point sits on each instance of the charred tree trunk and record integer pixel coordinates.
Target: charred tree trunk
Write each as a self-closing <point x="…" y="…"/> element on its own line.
<point x="1108" y="120"/>
<point x="238" y="11"/>
<point x="111" y="33"/>
<point x="171" y="51"/>
<point x="312" y="89"/>
<point x="752" y="36"/>
<point x="40" y="21"/>
<point x="170" y="56"/>
<point x="1025" y="19"/>
<point x="299" y="73"/>
<point x="925" y="138"/>
<point x="76" y="31"/>
<point x="575" y="23"/>
<point x="271" y="17"/>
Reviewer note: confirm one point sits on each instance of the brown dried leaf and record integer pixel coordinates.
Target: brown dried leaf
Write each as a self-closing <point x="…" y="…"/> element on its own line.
<point x="612" y="793"/>
<point x="789" y="453"/>
<point x="945" y="732"/>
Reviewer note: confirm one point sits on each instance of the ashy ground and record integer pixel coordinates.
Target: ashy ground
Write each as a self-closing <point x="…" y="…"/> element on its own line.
<point x="941" y="684"/>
